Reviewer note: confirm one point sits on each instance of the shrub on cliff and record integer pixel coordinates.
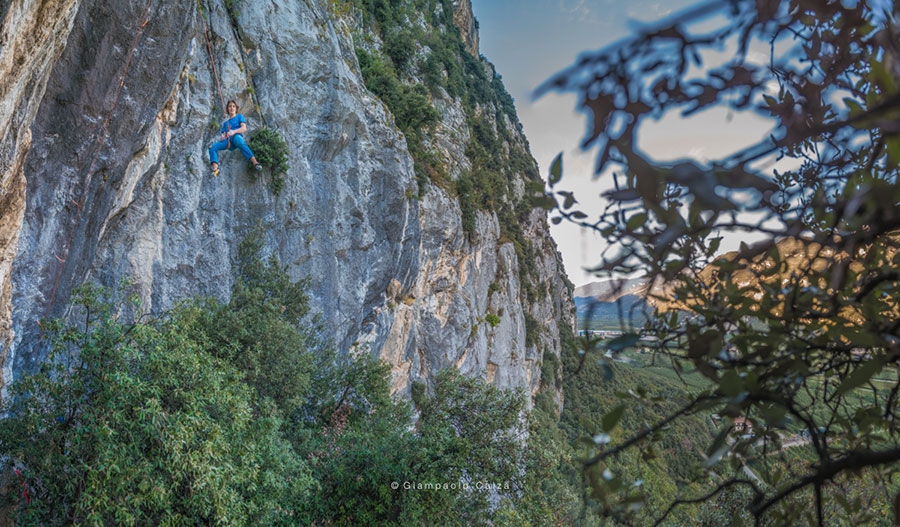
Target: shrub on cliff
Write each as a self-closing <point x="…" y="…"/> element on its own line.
<point x="374" y="470"/>
<point x="261" y="331"/>
<point x="272" y="152"/>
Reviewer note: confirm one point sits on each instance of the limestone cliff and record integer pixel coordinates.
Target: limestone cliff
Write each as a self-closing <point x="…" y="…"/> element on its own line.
<point x="465" y="21"/>
<point x="106" y="110"/>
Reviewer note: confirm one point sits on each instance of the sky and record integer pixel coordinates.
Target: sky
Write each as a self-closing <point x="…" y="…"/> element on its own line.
<point x="530" y="40"/>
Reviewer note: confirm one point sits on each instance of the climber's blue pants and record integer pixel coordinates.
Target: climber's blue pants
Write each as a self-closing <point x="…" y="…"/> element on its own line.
<point x="237" y="141"/>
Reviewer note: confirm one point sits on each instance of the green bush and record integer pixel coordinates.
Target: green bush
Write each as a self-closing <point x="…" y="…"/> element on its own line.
<point x="410" y="105"/>
<point x="400" y="46"/>
<point x="465" y="191"/>
<point x="134" y="424"/>
<point x="261" y="330"/>
<point x="271" y="150"/>
<point x="413" y="109"/>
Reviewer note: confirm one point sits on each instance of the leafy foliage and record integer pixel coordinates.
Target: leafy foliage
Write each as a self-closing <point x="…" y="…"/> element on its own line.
<point x="551" y="486"/>
<point x="463" y="438"/>
<point x="800" y="329"/>
<point x="355" y="436"/>
<point x="134" y="424"/>
<point x="271" y="150"/>
<point x="261" y="330"/>
<point x="221" y="413"/>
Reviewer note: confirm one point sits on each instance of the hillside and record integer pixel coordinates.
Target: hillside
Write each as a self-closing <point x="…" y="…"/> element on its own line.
<point x="610" y="290"/>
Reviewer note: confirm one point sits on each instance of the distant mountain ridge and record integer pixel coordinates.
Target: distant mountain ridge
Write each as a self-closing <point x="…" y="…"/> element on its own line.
<point x="596" y="302"/>
<point x="610" y="290"/>
<point x="607" y="304"/>
<point x="593" y="314"/>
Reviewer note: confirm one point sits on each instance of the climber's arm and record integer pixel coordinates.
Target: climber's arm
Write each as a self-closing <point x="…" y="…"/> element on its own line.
<point x="239" y="130"/>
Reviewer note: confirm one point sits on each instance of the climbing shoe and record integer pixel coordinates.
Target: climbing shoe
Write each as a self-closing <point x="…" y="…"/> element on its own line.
<point x="215" y="172"/>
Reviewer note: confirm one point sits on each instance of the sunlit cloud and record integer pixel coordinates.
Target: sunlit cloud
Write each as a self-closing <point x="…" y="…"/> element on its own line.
<point x="651" y="11"/>
<point x="577" y="9"/>
<point x="699" y="153"/>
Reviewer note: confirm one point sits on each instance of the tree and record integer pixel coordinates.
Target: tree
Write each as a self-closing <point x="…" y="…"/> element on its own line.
<point x="798" y="332"/>
<point x="463" y="453"/>
<point x="134" y="424"/>
<point x="264" y="330"/>
<point x="221" y="414"/>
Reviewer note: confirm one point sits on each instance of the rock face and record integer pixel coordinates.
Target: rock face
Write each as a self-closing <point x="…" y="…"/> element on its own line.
<point x="32" y="39"/>
<point x="465" y="21"/>
<point x="106" y="111"/>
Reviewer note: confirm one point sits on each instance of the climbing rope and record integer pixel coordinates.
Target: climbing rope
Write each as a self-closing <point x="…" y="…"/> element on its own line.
<point x="25" y="495"/>
<point x="212" y="60"/>
<point x="79" y="205"/>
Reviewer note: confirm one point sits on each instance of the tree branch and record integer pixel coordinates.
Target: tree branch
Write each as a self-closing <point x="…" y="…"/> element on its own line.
<point x="828" y="471"/>
<point x="723" y="486"/>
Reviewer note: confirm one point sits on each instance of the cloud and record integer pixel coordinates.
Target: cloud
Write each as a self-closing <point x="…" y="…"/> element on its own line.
<point x="577" y="9"/>
<point x="649" y="12"/>
<point x="699" y="153"/>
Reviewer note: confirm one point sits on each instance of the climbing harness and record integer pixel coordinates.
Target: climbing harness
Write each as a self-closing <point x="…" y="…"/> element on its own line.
<point x="79" y="205"/>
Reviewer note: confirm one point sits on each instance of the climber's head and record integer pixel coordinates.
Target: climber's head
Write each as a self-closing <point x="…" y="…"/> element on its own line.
<point x="231" y="108"/>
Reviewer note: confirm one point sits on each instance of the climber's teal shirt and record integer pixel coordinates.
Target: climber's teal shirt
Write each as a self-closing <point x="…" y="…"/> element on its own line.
<point x="232" y="124"/>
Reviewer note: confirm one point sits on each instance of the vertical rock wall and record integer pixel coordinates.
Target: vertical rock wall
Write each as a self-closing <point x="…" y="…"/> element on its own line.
<point x="392" y="274"/>
<point x="32" y="38"/>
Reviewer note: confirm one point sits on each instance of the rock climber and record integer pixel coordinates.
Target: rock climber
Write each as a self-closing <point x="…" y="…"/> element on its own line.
<point x="232" y="136"/>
